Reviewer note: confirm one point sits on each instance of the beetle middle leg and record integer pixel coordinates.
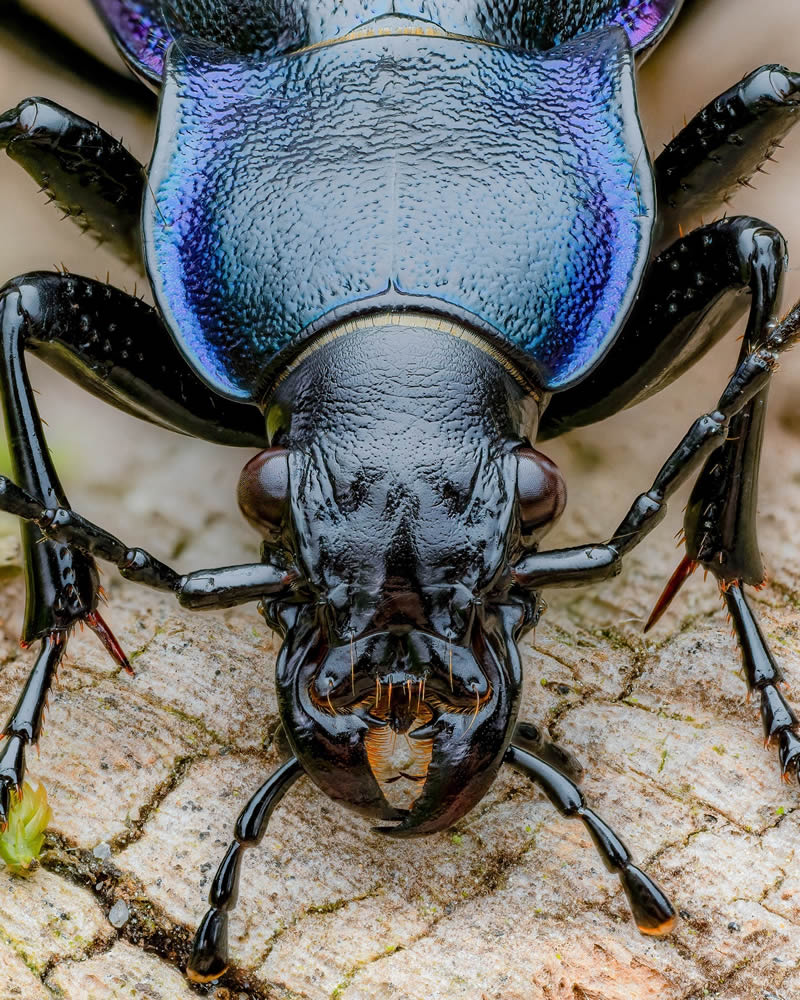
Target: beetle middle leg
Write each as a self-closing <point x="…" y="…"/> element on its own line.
<point x="107" y="340"/>
<point x="706" y="443"/>
<point x="652" y="911"/>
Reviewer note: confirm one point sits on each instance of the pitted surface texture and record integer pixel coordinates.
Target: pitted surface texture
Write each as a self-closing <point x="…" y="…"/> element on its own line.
<point x="145" y="28"/>
<point x="513" y="904"/>
<point x="512" y="187"/>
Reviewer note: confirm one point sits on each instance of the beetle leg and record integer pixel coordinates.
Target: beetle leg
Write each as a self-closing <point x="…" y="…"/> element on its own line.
<point x="584" y="564"/>
<point x="530" y="737"/>
<point x="62" y="585"/>
<point x="24" y="726"/>
<point x="693" y="293"/>
<point x="763" y="675"/>
<point x="652" y="911"/>
<point x="88" y="174"/>
<point x="209" y="957"/>
<point x="204" y="589"/>
<point x="106" y="341"/>
<point x="723" y="146"/>
<point x="86" y="329"/>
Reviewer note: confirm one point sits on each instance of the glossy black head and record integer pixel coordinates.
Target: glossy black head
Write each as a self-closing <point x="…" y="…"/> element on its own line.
<point x="402" y="488"/>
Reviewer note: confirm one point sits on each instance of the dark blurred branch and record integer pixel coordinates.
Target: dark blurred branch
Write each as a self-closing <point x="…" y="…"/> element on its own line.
<point x="46" y="42"/>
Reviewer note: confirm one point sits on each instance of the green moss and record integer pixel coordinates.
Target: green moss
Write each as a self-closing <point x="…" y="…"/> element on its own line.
<point x="21" y="842"/>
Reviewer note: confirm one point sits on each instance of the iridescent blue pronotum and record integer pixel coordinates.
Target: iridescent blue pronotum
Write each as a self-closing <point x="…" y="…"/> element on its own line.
<point x="392" y="245"/>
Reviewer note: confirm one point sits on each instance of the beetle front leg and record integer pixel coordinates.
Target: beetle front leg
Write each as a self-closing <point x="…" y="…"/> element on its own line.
<point x="652" y="911"/>
<point x="89" y="175"/>
<point x="591" y="563"/>
<point x="583" y="564"/>
<point x="209" y="957"/>
<point x="202" y="590"/>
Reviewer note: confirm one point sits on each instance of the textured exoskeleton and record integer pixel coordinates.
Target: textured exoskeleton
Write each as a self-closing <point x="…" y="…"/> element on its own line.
<point x="392" y="245"/>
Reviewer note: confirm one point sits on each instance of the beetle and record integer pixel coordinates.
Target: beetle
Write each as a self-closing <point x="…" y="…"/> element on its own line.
<point x="358" y="315"/>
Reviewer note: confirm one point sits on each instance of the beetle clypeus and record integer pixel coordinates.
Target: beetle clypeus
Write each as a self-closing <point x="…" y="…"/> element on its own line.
<point x="331" y="291"/>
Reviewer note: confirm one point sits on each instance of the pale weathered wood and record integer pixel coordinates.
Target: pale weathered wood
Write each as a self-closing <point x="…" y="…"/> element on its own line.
<point x="513" y="904"/>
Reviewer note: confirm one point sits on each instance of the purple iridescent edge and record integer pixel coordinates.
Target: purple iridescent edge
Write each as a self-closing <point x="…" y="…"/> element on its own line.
<point x="645" y="20"/>
<point x="140" y="32"/>
<point x="139" y="27"/>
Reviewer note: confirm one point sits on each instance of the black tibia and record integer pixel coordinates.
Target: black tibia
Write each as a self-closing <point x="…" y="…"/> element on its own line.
<point x="763" y="677"/>
<point x="89" y="175"/>
<point x="590" y="563"/>
<point x="692" y="295"/>
<point x="723" y="146"/>
<point x="118" y="348"/>
<point x="720" y="522"/>
<point x="652" y="911"/>
<point x="25" y="724"/>
<point x="61" y="585"/>
<point x="209" y="957"/>
<point x="531" y="738"/>
<point x="204" y="589"/>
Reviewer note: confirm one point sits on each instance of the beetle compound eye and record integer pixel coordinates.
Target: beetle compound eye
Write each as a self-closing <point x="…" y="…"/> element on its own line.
<point x="541" y="490"/>
<point x="263" y="493"/>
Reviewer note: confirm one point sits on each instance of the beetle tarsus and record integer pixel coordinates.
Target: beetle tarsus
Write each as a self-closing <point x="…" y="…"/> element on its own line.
<point x="763" y="676"/>
<point x="24" y="726"/>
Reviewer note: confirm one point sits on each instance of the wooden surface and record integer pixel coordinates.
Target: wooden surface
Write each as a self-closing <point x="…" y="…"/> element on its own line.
<point x="146" y="774"/>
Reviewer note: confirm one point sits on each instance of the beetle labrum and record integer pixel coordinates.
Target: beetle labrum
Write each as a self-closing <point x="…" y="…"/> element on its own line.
<point x="395" y="323"/>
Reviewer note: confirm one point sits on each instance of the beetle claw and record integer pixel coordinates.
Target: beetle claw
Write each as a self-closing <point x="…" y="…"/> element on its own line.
<point x="109" y="640"/>
<point x="208" y="960"/>
<point x="685" y="569"/>
<point x="789" y="754"/>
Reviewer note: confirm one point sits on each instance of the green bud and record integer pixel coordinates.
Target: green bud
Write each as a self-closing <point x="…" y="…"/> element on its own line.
<point x="21" y="842"/>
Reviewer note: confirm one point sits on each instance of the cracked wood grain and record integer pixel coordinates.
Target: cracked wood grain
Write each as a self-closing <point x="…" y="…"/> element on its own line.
<point x="147" y="774"/>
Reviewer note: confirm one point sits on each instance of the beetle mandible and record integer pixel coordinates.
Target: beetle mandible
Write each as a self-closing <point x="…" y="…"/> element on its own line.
<point x="396" y="336"/>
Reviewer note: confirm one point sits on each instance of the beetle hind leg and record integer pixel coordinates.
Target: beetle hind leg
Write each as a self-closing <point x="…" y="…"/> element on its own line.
<point x="107" y="341"/>
<point x="62" y="585"/>
<point x="763" y="676"/>
<point x="651" y="909"/>
<point x="24" y="726"/>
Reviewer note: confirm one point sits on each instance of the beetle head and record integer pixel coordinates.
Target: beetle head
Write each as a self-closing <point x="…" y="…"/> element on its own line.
<point x="401" y="495"/>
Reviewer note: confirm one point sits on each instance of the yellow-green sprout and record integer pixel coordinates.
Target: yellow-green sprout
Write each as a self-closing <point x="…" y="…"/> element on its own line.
<point x="21" y="841"/>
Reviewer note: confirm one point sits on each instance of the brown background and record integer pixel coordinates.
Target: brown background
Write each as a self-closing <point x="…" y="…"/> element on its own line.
<point x="514" y="903"/>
